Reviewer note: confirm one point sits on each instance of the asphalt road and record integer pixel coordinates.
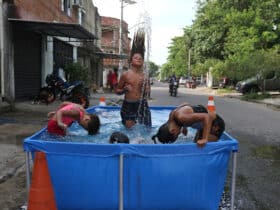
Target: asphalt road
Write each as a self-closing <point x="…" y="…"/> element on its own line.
<point x="255" y="126"/>
<point x="257" y="129"/>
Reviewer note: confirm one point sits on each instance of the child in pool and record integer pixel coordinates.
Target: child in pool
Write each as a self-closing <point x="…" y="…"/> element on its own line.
<point x="118" y="137"/>
<point x="69" y="112"/>
<point x="135" y="86"/>
<point x="210" y="126"/>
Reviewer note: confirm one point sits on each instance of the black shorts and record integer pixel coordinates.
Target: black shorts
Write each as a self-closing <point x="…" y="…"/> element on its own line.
<point x="199" y="109"/>
<point x="137" y="111"/>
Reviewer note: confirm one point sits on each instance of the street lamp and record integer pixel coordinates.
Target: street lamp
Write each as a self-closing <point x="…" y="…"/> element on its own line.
<point x="121" y="31"/>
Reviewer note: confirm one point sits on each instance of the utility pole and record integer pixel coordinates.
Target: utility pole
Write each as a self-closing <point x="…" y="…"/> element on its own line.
<point x="189" y="64"/>
<point x="121" y="33"/>
<point x="120" y="39"/>
<point x="1" y="52"/>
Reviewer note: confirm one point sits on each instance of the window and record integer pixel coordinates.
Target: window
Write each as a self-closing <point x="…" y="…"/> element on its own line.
<point x="77" y="2"/>
<point x="81" y="16"/>
<point x="66" y="7"/>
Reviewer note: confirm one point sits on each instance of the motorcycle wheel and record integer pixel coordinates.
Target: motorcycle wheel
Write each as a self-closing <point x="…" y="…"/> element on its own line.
<point x="80" y="98"/>
<point x="175" y="93"/>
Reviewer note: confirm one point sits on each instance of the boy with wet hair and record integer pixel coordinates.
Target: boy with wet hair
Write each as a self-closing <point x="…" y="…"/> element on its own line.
<point x="210" y="126"/>
<point x="69" y="112"/>
<point x="135" y="85"/>
<point x="118" y="137"/>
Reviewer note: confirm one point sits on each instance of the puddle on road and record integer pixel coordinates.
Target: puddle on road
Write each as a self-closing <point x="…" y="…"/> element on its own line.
<point x="268" y="152"/>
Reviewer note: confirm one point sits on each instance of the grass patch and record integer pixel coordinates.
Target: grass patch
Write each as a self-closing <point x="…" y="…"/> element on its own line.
<point x="255" y="96"/>
<point x="268" y="152"/>
<point x="225" y="90"/>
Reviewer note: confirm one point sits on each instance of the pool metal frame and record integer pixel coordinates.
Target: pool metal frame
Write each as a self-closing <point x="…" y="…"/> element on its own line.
<point x="121" y="162"/>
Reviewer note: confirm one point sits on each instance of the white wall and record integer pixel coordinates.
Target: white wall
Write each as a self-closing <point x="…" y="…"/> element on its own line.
<point x="47" y="58"/>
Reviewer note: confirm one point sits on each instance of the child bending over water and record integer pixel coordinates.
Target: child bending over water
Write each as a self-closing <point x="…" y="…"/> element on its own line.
<point x="69" y="112"/>
<point x="210" y="126"/>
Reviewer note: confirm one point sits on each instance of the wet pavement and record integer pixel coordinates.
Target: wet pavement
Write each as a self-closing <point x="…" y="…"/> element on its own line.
<point x="29" y="117"/>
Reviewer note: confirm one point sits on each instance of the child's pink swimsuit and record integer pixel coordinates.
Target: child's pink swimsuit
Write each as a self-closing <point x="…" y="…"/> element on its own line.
<point x="53" y="126"/>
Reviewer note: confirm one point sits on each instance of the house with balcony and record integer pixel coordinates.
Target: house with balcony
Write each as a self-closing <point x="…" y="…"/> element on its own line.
<point x="37" y="37"/>
<point x="110" y="45"/>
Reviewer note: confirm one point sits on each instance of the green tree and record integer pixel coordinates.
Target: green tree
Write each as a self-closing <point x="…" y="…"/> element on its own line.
<point x="153" y="69"/>
<point x="237" y="38"/>
<point x="75" y="71"/>
<point x="177" y="57"/>
<point x="165" y="71"/>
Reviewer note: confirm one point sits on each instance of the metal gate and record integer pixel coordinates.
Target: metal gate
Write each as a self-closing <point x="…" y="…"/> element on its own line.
<point x="62" y="54"/>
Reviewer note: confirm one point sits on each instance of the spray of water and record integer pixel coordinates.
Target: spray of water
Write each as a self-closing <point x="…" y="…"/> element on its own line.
<point x="111" y="122"/>
<point x="143" y="105"/>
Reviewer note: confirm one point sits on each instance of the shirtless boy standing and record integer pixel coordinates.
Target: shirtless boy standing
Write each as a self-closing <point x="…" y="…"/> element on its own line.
<point x="135" y="86"/>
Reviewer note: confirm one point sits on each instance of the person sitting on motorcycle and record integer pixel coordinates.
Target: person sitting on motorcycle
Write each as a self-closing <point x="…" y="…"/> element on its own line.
<point x="172" y="80"/>
<point x="210" y="126"/>
<point x="69" y="112"/>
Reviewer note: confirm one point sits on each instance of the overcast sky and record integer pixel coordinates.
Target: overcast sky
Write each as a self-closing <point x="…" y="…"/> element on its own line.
<point x="168" y="18"/>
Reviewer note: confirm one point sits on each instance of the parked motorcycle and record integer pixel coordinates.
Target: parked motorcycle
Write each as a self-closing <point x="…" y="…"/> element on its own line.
<point x="57" y="87"/>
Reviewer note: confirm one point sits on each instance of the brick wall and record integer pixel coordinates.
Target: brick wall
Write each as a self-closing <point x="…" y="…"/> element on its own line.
<point x="43" y="10"/>
<point x="110" y="39"/>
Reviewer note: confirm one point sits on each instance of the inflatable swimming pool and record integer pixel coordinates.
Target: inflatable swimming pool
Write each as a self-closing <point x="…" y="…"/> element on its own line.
<point x="136" y="176"/>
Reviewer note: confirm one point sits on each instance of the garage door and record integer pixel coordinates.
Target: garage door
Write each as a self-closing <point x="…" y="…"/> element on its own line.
<point x="27" y="64"/>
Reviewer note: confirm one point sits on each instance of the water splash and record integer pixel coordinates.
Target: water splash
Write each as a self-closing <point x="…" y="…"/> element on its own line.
<point x="111" y="122"/>
<point x="143" y="112"/>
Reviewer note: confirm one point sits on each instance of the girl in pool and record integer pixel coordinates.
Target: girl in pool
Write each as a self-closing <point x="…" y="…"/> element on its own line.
<point x="69" y="112"/>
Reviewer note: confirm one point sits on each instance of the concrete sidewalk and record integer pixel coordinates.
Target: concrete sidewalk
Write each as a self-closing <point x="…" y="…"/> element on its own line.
<point x="114" y="99"/>
<point x="274" y="101"/>
<point x="29" y="105"/>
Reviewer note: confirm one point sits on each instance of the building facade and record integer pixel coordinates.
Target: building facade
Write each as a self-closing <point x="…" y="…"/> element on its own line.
<point x="38" y="37"/>
<point x="110" y="43"/>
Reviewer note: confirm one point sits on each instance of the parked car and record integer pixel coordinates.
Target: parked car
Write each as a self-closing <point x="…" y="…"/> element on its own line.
<point x="271" y="82"/>
<point x="195" y="80"/>
<point x="183" y="80"/>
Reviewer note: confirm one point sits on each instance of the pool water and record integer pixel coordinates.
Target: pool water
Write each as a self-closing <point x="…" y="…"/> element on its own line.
<point x="136" y="176"/>
<point x="111" y="122"/>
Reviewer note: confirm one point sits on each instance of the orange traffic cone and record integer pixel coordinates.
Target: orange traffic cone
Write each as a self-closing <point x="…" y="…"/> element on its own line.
<point x="102" y="101"/>
<point x="211" y="105"/>
<point x="41" y="195"/>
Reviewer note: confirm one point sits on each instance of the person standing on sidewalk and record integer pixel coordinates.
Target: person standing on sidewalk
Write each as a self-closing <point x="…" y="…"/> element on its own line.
<point x="109" y="80"/>
<point x="115" y="78"/>
<point x="135" y="86"/>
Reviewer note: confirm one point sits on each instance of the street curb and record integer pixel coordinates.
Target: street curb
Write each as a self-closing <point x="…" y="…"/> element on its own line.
<point x="269" y="105"/>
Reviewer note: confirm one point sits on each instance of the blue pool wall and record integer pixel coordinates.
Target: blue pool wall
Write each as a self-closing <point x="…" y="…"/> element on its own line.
<point x="175" y="176"/>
